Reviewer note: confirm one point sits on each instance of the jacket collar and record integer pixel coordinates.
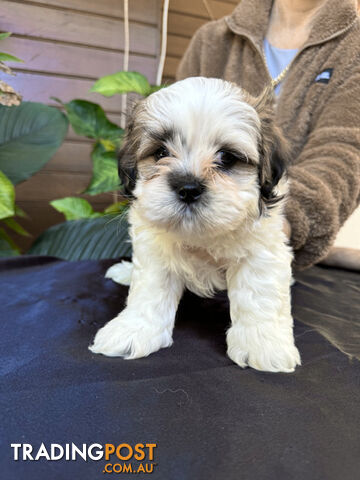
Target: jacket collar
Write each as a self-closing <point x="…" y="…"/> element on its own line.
<point x="251" y="17"/>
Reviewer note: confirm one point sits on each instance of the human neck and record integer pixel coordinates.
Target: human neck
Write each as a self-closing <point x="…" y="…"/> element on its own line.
<point x="290" y="22"/>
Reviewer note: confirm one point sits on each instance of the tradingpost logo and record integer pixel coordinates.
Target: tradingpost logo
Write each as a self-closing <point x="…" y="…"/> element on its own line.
<point x="121" y="458"/>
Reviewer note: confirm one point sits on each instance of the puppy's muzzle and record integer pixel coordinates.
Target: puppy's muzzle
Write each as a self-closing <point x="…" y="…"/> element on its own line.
<point x="187" y="187"/>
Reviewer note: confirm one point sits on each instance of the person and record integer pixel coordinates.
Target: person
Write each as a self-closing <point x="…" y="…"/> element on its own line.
<point x="309" y="51"/>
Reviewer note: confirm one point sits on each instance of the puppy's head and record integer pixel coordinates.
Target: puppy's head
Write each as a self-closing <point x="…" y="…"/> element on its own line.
<point x="202" y="156"/>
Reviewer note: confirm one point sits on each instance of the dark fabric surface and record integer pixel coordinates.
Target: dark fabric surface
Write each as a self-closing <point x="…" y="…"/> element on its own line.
<point x="209" y="418"/>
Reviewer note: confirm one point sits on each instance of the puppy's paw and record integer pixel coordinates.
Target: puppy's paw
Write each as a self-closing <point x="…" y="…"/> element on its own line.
<point x="120" y="272"/>
<point x="130" y="337"/>
<point x="263" y="348"/>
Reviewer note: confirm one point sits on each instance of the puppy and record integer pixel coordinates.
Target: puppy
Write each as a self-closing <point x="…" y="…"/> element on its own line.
<point x="202" y="160"/>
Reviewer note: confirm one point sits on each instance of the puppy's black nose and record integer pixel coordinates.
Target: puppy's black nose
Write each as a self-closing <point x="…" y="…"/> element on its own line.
<point x="187" y="186"/>
<point x="190" y="192"/>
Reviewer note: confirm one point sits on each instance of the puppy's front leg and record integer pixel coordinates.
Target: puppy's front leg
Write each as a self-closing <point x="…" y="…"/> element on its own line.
<point x="147" y="322"/>
<point x="261" y="334"/>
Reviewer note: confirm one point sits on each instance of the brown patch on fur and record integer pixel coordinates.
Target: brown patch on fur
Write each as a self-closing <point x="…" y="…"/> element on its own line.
<point x="273" y="147"/>
<point x="127" y="155"/>
<point x="272" y="136"/>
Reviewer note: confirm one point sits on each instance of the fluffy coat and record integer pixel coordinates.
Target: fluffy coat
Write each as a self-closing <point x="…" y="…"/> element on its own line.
<point x="202" y="160"/>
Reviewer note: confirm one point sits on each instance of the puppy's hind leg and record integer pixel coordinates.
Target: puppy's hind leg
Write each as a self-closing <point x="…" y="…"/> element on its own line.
<point x="261" y="334"/>
<point x="147" y="322"/>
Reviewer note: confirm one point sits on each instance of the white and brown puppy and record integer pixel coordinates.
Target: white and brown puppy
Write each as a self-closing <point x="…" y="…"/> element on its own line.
<point x="201" y="160"/>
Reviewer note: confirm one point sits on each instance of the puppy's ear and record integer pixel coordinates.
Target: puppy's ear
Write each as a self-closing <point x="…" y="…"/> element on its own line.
<point x="127" y="161"/>
<point x="273" y="150"/>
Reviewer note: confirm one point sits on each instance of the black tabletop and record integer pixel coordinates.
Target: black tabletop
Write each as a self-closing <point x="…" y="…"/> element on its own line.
<point x="208" y="418"/>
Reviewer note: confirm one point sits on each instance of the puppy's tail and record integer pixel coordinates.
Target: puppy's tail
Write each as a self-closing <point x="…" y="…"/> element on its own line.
<point x="120" y="272"/>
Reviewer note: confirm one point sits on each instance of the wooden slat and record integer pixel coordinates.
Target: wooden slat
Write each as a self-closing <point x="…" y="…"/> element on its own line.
<point x="72" y="27"/>
<point x="170" y="66"/>
<point x="176" y="45"/>
<point x="39" y="88"/>
<point x="184" y="25"/>
<point x="145" y="11"/>
<point x="71" y="157"/>
<point x="190" y="7"/>
<point x="88" y="62"/>
<point x="46" y="186"/>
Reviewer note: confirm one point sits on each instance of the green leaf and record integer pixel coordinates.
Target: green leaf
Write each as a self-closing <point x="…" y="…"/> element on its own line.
<point x="7" y="197"/>
<point x="117" y="207"/>
<point x="6" y="57"/>
<point x="85" y="239"/>
<point x="74" y="208"/>
<point x="105" y="176"/>
<point x="29" y="136"/>
<point x="89" y="119"/>
<point x="155" y="88"/>
<point x="19" y="212"/>
<point x="122" y="82"/>
<point x="13" y="225"/>
<point x="108" y="145"/>
<point x="7" y="246"/>
<point x="4" y="35"/>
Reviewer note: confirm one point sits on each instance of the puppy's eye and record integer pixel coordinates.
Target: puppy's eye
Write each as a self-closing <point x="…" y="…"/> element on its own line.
<point x="226" y="159"/>
<point x="161" y="153"/>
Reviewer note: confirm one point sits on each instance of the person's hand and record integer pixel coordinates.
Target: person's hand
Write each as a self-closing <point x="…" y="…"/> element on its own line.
<point x="342" y="257"/>
<point x="287" y="228"/>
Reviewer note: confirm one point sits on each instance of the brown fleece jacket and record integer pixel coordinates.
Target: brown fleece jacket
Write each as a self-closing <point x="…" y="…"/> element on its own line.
<point x="321" y="120"/>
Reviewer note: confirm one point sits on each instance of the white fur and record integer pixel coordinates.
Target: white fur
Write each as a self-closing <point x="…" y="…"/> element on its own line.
<point x="225" y="244"/>
<point x="120" y="272"/>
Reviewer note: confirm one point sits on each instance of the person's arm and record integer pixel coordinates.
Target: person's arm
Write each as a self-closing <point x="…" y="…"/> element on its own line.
<point x="325" y="179"/>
